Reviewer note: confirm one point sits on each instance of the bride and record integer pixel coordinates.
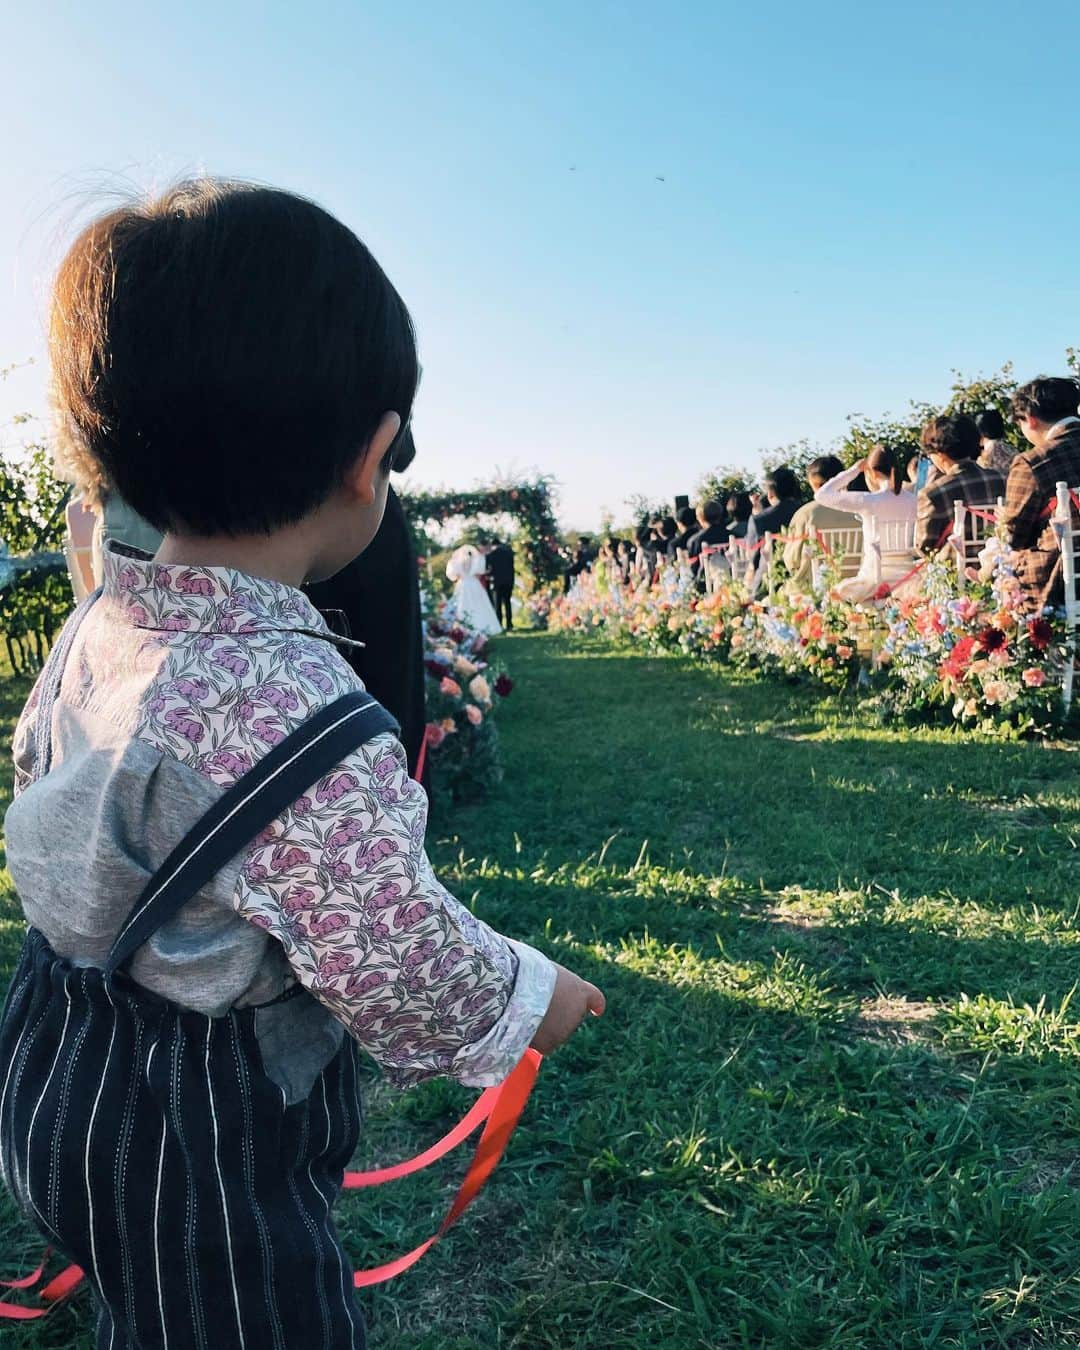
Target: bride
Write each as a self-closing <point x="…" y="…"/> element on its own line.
<point x="470" y="604"/>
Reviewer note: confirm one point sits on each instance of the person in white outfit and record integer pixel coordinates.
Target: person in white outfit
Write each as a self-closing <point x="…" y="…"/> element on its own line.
<point x="470" y="604"/>
<point x="888" y="520"/>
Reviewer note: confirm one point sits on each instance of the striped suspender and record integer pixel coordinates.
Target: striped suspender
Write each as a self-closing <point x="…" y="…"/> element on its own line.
<point x="245" y="809"/>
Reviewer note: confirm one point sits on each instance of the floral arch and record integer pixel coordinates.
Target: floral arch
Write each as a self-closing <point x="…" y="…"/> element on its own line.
<point x="528" y="502"/>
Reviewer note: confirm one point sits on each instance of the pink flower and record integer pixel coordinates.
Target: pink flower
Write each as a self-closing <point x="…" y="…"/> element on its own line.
<point x="449" y="686"/>
<point x="1034" y="678"/>
<point x="435" y="735"/>
<point x="473" y="713"/>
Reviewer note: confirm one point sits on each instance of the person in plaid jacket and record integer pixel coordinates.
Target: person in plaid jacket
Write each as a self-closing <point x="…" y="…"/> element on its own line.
<point x="1045" y="411"/>
<point x="952" y="445"/>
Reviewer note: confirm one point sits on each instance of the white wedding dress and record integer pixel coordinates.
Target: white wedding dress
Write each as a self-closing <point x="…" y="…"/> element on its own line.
<point x="470" y="604"/>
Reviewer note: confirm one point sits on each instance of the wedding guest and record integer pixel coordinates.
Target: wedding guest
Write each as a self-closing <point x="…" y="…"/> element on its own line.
<point x="666" y="532"/>
<point x="214" y="328"/>
<point x="782" y="492"/>
<point x="952" y="444"/>
<point x="995" y="451"/>
<point x="582" y="557"/>
<point x="374" y="601"/>
<point x="687" y="528"/>
<point x="812" y="517"/>
<point x="645" y="551"/>
<point x="626" y="559"/>
<point x="713" y="532"/>
<point x="1045" y="410"/>
<point x="712" y="536"/>
<point x="885" y="510"/>
<point x="740" y="511"/>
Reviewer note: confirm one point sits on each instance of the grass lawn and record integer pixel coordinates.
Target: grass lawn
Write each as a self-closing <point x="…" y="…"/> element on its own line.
<point x="835" y="1101"/>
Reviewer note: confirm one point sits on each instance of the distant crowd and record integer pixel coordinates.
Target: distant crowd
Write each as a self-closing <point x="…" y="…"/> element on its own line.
<point x="901" y="505"/>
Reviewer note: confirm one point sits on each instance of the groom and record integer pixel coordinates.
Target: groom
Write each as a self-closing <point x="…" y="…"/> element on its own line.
<point x="500" y="567"/>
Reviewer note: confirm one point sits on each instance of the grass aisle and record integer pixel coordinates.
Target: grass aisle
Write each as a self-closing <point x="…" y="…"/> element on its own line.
<point x="835" y="1100"/>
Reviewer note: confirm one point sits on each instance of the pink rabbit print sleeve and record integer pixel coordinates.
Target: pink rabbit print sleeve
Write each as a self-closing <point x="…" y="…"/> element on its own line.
<point x="221" y="667"/>
<point x="344" y="884"/>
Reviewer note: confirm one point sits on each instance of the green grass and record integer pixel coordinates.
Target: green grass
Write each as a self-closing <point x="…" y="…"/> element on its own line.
<point x="835" y="1100"/>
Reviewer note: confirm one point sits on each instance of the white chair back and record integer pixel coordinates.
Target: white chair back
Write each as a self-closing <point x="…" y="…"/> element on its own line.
<point x="842" y="545"/>
<point x="894" y="538"/>
<point x="1068" y="534"/>
<point x="973" y="525"/>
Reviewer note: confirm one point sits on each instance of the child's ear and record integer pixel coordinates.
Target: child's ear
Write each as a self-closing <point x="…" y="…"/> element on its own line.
<point x="362" y="479"/>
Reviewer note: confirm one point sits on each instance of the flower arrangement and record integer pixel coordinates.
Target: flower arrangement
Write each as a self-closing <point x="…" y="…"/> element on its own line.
<point x="974" y="659"/>
<point x="462" y="691"/>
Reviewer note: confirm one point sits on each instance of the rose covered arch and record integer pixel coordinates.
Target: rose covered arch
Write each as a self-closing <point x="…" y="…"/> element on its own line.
<point x="529" y="502"/>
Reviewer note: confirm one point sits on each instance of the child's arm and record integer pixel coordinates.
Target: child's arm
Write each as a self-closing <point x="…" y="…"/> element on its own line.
<point x="344" y="884"/>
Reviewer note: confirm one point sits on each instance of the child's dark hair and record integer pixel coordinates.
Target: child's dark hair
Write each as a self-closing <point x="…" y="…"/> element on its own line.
<point x="222" y="354"/>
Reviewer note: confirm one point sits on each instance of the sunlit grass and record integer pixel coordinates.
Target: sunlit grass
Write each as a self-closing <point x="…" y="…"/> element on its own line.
<point x="835" y="1101"/>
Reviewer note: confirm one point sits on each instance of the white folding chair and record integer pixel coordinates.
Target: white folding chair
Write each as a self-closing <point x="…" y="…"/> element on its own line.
<point x="894" y="541"/>
<point x="973" y="525"/>
<point x="1068" y="534"/>
<point x="843" y="545"/>
<point x="715" y="565"/>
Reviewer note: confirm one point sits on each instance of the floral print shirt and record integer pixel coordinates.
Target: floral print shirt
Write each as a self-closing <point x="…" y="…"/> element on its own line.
<point x="211" y="667"/>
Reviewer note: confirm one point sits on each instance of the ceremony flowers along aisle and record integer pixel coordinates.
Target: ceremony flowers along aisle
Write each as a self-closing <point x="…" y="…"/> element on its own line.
<point x="462" y="692"/>
<point x="973" y="659"/>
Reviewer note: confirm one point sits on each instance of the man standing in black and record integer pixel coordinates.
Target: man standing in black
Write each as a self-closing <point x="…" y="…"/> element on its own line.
<point x="375" y="600"/>
<point x="500" y="566"/>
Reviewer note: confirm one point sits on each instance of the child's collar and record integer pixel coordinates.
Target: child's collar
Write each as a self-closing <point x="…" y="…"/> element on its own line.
<point x="175" y="597"/>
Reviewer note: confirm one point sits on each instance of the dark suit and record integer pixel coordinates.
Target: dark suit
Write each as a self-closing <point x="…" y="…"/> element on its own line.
<point x="500" y="567"/>
<point x="378" y="597"/>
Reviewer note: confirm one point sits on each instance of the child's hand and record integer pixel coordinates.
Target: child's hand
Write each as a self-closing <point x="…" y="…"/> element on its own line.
<point x="572" y="998"/>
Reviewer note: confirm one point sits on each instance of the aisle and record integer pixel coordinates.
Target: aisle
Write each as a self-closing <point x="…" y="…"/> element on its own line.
<point x="787" y="1130"/>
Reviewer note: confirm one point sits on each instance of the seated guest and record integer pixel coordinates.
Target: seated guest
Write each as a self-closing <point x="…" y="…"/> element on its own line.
<point x="740" y="521"/>
<point x="952" y="443"/>
<point x="782" y="491"/>
<point x="713" y="532"/>
<point x="666" y="530"/>
<point x="644" y="551"/>
<point x="814" y="516"/>
<point x="712" y="535"/>
<point x="996" y="452"/>
<point x="688" y="527"/>
<point x="884" y="509"/>
<point x="1045" y="411"/>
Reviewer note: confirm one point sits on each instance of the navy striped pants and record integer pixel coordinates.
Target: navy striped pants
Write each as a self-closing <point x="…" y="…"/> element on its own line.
<point x="149" y="1146"/>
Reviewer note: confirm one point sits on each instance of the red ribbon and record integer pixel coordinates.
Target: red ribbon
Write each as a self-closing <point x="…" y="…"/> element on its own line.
<point x="501" y="1107"/>
<point x="59" y="1287"/>
<point x="421" y="758"/>
<point x="498" y="1109"/>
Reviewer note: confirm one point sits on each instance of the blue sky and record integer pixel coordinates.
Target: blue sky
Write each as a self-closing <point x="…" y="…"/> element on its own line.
<point x="857" y="199"/>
